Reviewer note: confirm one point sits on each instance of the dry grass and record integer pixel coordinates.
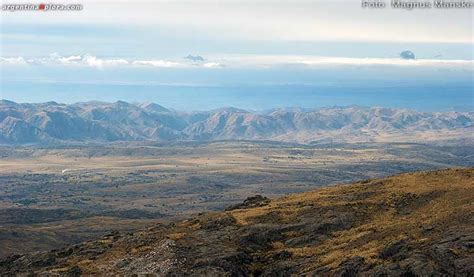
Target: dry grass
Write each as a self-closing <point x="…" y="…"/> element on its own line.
<point x="448" y="194"/>
<point x="332" y="225"/>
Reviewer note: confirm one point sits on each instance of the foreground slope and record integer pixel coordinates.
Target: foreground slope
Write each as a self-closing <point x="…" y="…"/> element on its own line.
<point x="409" y="224"/>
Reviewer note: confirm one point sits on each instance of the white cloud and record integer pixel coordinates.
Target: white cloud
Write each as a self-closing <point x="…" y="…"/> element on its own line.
<point x="238" y="61"/>
<point x="65" y="60"/>
<point x="159" y="63"/>
<point x="13" y="61"/>
<point x="377" y="61"/>
<point x="56" y="59"/>
<point x="271" y="61"/>
<point x="212" y="65"/>
<point x="99" y="63"/>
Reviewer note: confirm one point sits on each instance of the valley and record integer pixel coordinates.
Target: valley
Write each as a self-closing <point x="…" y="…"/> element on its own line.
<point x="51" y="197"/>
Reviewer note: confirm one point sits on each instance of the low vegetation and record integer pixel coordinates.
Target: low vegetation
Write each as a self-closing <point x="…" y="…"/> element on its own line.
<point x="54" y="197"/>
<point x="414" y="224"/>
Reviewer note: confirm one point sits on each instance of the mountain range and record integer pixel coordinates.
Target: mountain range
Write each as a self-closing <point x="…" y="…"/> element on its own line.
<point x="51" y="122"/>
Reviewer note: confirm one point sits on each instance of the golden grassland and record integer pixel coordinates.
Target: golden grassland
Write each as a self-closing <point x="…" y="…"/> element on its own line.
<point x="449" y="198"/>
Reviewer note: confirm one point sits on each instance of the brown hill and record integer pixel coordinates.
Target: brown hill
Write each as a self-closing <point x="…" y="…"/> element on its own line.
<point x="418" y="224"/>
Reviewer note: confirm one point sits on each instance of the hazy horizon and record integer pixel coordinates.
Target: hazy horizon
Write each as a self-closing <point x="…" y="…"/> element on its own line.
<point x="249" y="97"/>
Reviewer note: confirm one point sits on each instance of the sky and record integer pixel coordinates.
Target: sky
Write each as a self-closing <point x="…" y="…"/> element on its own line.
<point x="204" y="54"/>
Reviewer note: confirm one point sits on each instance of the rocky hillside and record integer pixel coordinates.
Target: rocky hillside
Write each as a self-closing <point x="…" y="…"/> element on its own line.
<point x="120" y="121"/>
<point x="418" y="224"/>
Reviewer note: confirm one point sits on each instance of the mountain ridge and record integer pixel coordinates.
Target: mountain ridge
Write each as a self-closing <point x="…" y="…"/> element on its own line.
<point x="94" y="121"/>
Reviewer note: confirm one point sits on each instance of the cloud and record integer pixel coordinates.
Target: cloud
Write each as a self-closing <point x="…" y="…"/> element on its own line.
<point x="302" y="20"/>
<point x="13" y="61"/>
<point x="407" y="55"/>
<point x="289" y="61"/>
<point x="212" y="65"/>
<point x="95" y="62"/>
<point x="64" y="60"/>
<point x="74" y="60"/>
<point x="435" y="63"/>
<point x="278" y="61"/>
<point x="196" y="58"/>
<point x="159" y="63"/>
<point x="238" y="61"/>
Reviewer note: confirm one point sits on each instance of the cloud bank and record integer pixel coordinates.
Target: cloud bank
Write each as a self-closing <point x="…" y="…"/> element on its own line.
<point x="234" y="61"/>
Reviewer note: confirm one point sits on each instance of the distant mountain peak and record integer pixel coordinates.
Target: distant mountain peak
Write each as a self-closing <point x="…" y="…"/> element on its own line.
<point x="124" y="104"/>
<point x="153" y="107"/>
<point x="4" y="102"/>
<point x="231" y="110"/>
